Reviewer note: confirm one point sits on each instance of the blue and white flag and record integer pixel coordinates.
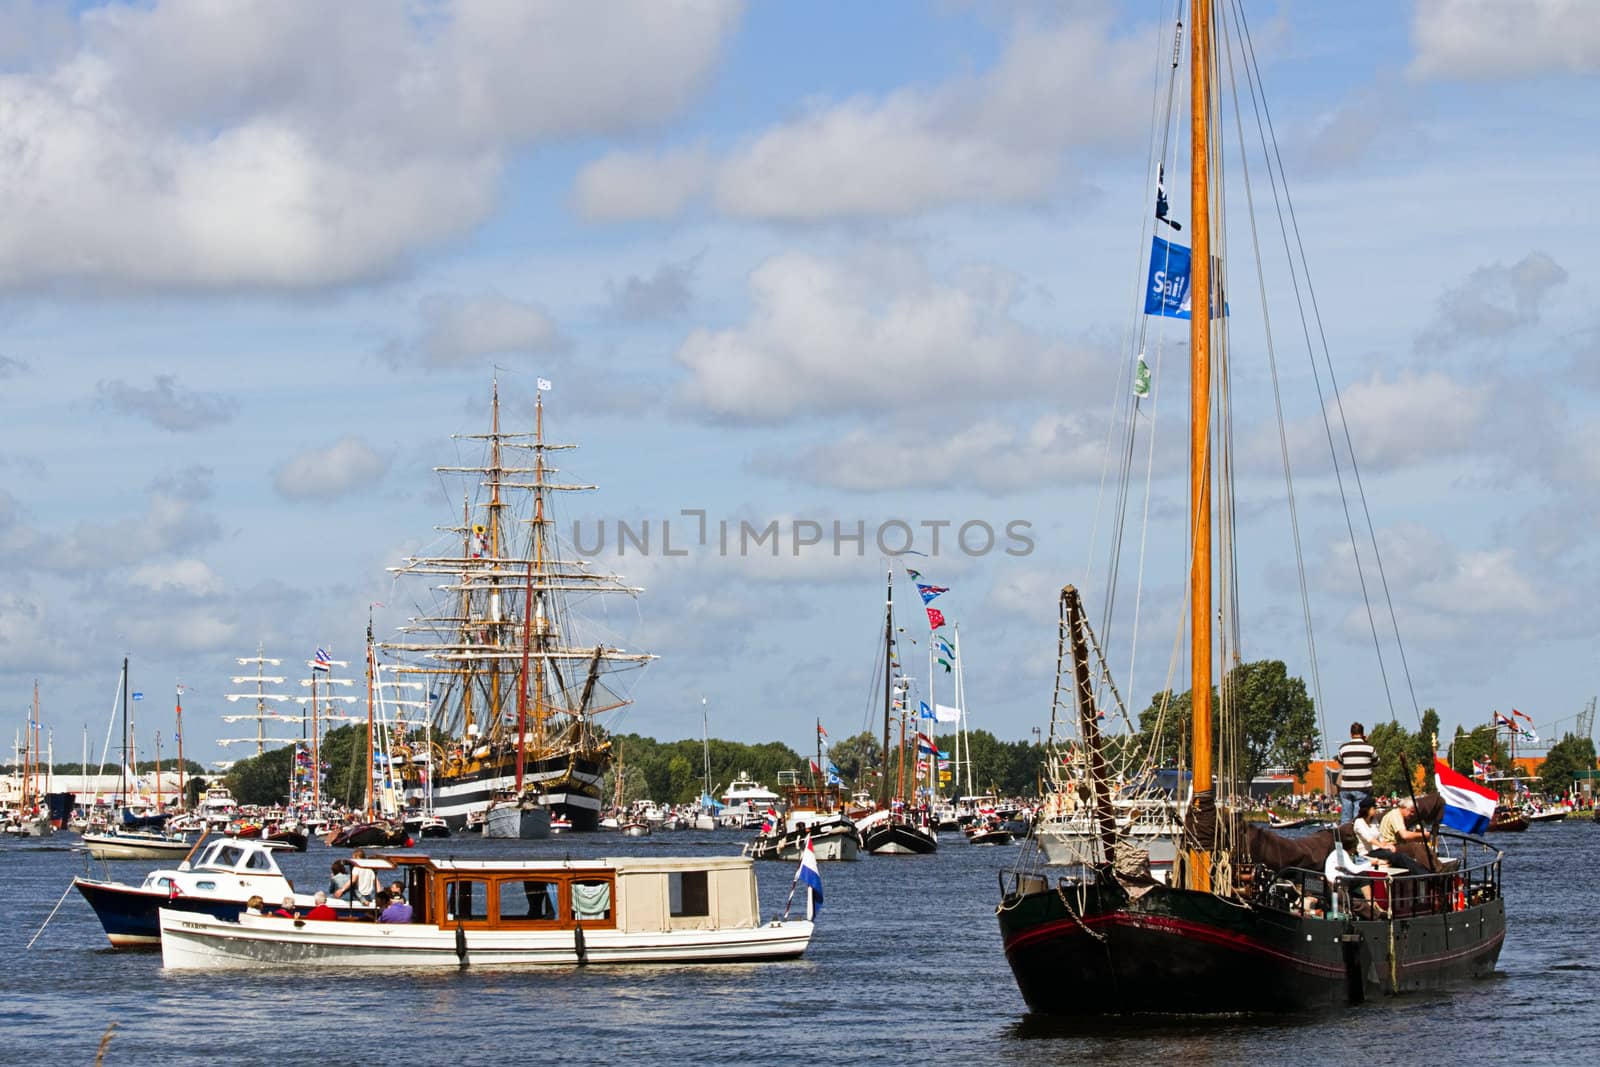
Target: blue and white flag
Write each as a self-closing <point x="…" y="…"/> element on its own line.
<point x="137" y="695"/>
<point x="1468" y="806"/>
<point x="810" y="876"/>
<point x="321" y="661"/>
<point x="1167" y="290"/>
<point x="925" y="711"/>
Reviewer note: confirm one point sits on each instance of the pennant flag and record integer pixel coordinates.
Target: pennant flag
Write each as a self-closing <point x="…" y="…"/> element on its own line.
<point x="821" y="731"/>
<point x="833" y="770"/>
<point x="809" y="875"/>
<point x="321" y="662"/>
<point x="945" y="664"/>
<point x="925" y="712"/>
<point x="1468" y="807"/>
<point x="814" y="768"/>
<point x="1520" y="715"/>
<point x="1480" y="769"/>
<point x="1141" y="378"/>
<point x="935" y="618"/>
<point x="945" y="713"/>
<point x="916" y="576"/>
<point x="1501" y="720"/>
<point x="944" y="646"/>
<point x="930" y="591"/>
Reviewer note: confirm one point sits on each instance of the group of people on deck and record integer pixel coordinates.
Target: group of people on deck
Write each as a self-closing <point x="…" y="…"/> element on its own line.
<point x="356" y="883"/>
<point x="1380" y="839"/>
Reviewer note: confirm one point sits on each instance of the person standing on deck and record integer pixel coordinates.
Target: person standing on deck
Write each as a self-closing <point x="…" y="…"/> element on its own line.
<point x="1356" y="760"/>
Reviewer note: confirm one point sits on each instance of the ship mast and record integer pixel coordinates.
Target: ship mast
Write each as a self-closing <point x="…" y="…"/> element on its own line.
<point x="888" y="684"/>
<point x="1198" y="867"/>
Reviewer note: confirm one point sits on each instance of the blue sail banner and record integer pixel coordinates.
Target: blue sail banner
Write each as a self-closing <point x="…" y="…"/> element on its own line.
<point x="1167" y="292"/>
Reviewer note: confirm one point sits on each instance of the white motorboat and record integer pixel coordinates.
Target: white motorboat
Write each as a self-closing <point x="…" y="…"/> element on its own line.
<point x="219" y="882"/>
<point x="136" y="845"/>
<point x="514" y="913"/>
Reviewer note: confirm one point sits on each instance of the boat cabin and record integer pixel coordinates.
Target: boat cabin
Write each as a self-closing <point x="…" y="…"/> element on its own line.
<point x="632" y="895"/>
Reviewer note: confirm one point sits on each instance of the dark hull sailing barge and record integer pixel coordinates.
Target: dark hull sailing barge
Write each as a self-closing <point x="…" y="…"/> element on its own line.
<point x="1093" y="948"/>
<point x="1248" y="920"/>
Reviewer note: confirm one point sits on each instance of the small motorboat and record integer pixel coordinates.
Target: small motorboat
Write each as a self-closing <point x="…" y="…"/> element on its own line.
<point x="990" y="834"/>
<point x="433" y="826"/>
<point x="1547" y="815"/>
<point x="286" y="837"/>
<point x="228" y="872"/>
<point x="136" y="845"/>
<point x="634" y="828"/>
<point x="369" y="835"/>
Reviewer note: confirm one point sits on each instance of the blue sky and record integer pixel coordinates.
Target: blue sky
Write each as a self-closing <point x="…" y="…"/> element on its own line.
<point x="853" y="262"/>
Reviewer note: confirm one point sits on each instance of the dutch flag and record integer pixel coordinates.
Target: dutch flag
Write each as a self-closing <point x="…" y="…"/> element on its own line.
<point x="812" y="877"/>
<point x="1468" y="806"/>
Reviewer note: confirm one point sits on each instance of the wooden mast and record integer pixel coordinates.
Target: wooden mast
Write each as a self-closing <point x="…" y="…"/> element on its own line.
<point x="888" y="683"/>
<point x="1199" y="865"/>
<point x="1089" y="724"/>
<point x="183" y="796"/>
<point x="370" y="745"/>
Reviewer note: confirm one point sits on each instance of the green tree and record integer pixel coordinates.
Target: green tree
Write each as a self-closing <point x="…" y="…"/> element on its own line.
<point x="1275" y="720"/>
<point x="1482" y="743"/>
<point x="858" y="758"/>
<point x="1565" y="759"/>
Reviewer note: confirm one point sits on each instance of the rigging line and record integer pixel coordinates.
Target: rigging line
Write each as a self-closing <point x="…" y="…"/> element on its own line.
<point x="1277" y="401"/>
<point x="1125" y="401"/>
<point x="1333" y="383"/>
<point x="1269" y="136"/>
<point x="1133" y="402"/>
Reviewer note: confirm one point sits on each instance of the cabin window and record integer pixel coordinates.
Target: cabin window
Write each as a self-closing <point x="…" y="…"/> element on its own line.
<point x="212" y="886"/>
<point x="688" y="893"/>
<point x="228" y="856"/>
<point x="466" y="900"/>
<point x="258" y="862"/>
<point x="531" y="899"/>
<point x="591" y="901"/>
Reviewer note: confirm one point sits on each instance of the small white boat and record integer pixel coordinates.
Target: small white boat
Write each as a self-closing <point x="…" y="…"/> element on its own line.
<point x="513" y="913"/>
<point x="136" y="845"/>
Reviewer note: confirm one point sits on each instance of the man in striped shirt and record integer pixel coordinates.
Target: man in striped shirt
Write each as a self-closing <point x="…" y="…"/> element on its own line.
<point x="1356" y="760"/>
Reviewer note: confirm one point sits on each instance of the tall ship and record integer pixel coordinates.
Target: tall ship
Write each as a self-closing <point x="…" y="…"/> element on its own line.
<point x="517" y="683"/>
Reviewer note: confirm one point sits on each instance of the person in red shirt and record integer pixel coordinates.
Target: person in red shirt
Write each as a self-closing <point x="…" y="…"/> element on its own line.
<point x="321" y="909"/>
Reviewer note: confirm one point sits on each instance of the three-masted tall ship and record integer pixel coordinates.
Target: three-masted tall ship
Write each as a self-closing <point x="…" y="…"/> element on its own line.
<point x="516" y="683"/>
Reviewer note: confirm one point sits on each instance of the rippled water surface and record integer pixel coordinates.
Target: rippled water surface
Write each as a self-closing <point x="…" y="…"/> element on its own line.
<point x="905" y="966"/>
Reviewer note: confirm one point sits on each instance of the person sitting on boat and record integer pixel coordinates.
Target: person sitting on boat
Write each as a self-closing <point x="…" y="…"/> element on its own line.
<point x="1393" y="832"/>
<point x="339" y="880"/>
<point x="395" y="909"/>
<point x="1366" y="827"/>
<point x="286" y="909"/>
<point x="256" y="906"/>
<point x="321" y="909"/>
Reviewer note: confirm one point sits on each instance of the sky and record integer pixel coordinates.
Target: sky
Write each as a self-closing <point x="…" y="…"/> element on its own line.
<point x="864" y="264"/>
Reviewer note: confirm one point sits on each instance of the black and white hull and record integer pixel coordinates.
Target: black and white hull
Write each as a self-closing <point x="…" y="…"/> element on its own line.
<point x="565" y="785"/>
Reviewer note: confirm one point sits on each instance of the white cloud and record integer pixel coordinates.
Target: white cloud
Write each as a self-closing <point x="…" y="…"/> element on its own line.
<point x="1487" y="40"/>
<point x="995" y="455"/>
<point x="297" y="144"/>
<point x="166" y="403"/>
<point x="1004" y="136"/>
<point x="622" y="185"/>
<point x="1493" y="302"/>
<point x="188" y="576"/>
<point x="872" y="333"/>
<point x="1411" y="418"/>
<point x="464" y="331"/>
<point x="170" y="522"/>
<point x="347" y="465"/>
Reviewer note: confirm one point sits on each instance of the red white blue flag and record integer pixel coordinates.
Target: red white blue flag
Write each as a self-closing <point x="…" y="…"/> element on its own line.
<point x="1468" y="806"/>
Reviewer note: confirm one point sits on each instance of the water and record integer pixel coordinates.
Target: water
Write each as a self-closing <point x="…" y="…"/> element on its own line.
<point x="905" y="965"/>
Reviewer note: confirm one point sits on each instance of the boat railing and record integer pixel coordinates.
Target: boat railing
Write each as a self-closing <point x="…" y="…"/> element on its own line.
<point x="1468" y="878"/>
